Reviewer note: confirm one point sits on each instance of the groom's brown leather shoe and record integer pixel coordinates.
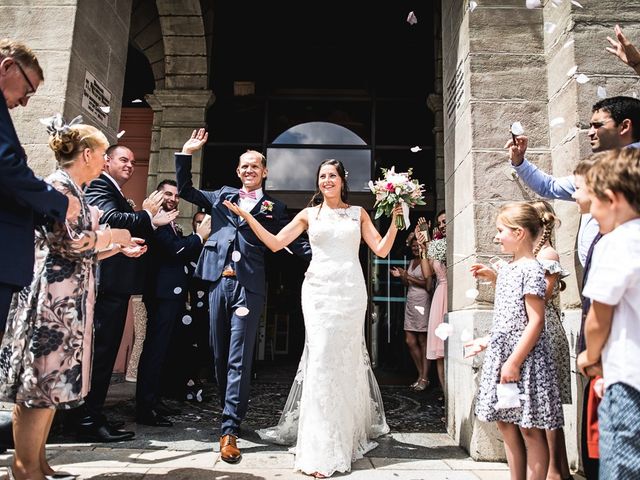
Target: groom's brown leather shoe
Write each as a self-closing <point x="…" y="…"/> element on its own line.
<point x="229" y="451"/>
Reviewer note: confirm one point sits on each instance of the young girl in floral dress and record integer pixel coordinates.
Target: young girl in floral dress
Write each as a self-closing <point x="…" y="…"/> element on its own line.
<point x="518" y="350"/>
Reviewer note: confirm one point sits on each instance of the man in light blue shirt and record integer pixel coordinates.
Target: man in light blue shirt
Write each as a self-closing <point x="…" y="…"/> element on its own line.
<point x="615" y="123"/>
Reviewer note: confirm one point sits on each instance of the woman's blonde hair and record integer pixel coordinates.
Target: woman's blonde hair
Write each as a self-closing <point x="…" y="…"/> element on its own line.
<point x="525" y="216"/>
<point x="67" y="145"/>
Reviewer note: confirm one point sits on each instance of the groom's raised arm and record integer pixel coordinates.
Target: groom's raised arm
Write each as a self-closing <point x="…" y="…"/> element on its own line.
<point x="183" y="159"/>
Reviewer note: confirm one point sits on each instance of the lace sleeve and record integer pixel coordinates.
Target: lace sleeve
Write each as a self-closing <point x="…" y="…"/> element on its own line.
<point x="552" y="267"/>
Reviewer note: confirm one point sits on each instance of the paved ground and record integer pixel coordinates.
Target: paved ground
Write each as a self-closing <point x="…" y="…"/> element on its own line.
<point x="417" y="447"/>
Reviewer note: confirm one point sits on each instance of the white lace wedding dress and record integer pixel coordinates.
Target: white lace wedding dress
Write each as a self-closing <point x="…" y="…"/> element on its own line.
<point x="334" y="407"/>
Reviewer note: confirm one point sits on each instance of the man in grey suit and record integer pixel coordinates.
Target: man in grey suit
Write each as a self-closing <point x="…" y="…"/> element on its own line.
<point x="233" y="261"/>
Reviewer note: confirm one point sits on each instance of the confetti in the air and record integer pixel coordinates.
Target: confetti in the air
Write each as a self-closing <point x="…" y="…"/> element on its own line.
<point x="601" y="92"/>
<point x="443" y="331"/>
<point x="577" y="4"/>
<point x="556" y="122"/>
<point x="236" y="256"/>
<point x="572" y="70"/>
<point x="517" y="128"/>
<point x="472" y="5"/>
<point x="242" y="311"/>
<point x="186" y="319"/>
<point x="200" y="293"/>
<point x="177" y="290"/>
<point x="137" y="100"/>
<point x="472" y="293"/>
<point x="420" y="309"/>
<point x="105" y="109"/>
<point x="582" y="78"/>
<point x="416" y="149"/>
<point x="120" y="133"/>
<point x="411" y="18"/>
<point x="534" y="3"/>
<point x="466" y="336"/>
<point x="549" y="27"/>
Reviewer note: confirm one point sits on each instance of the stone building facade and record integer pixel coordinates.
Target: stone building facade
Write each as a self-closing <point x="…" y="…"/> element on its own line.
<point x="493" y="62"/>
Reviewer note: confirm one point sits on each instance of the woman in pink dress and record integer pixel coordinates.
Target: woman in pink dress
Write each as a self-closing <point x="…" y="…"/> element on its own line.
<point x="437" y="255"/>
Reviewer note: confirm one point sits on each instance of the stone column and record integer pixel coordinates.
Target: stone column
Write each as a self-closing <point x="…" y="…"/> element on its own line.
<point x="69" y="42"/>
<point x="487" y="54"/>
<point x="176" y="113"/>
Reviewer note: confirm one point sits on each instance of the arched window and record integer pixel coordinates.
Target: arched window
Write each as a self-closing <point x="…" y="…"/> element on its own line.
<point x="294" y="156"/>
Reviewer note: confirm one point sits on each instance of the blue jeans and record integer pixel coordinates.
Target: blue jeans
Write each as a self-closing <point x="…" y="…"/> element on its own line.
<point x="619" y="421"/>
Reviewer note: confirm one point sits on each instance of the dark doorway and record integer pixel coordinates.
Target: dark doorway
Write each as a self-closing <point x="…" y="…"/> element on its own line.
<point x="277" y="65"/>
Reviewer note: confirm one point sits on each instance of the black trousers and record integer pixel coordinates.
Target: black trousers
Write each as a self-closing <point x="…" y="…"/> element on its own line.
<point x="162" y="316"/>
<point x="110" y="316"/>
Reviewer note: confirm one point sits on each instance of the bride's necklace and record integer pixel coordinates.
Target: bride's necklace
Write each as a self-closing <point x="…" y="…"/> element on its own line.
<point x="341" y="212"/>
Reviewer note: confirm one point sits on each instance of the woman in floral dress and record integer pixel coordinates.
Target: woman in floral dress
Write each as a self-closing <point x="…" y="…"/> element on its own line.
<point x="45" y="356"/>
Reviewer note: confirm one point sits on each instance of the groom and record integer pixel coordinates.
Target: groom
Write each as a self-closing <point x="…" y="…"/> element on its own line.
<point x="233" y="261"/>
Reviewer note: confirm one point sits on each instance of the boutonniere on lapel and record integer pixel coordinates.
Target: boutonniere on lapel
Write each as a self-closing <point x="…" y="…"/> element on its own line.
<point x="266" y="207"/>
<point x="178" y="228"/>
<point x="131" y="203"/>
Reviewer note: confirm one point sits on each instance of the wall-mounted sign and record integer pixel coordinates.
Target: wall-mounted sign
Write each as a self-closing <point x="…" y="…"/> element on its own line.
<point x="96" y="99"/>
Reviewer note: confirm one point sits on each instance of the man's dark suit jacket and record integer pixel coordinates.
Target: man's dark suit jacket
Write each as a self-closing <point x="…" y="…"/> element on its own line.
<point x="229" y="232"/>
<point x="168" y="265"/>
<point x="119" y="273"/>
<point x="21" y="195"/>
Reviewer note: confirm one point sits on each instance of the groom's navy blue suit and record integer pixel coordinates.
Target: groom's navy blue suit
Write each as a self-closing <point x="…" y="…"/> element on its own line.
<point x="233" y="336"/>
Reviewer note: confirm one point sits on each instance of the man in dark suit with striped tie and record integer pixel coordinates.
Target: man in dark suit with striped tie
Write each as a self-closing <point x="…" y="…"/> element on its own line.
<point x="232" y="261"/>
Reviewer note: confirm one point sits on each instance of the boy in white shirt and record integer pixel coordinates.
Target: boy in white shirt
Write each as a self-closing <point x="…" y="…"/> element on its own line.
<point x="612" y="328"/>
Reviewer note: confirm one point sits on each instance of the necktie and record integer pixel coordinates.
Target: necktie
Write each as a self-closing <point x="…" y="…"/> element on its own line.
<point x="586" y="302"/>
<point x="245" y="194"/>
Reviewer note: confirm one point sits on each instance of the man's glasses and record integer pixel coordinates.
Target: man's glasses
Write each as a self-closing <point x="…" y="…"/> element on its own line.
<point x="32" y="89"/>
<point x="597" y="125"/>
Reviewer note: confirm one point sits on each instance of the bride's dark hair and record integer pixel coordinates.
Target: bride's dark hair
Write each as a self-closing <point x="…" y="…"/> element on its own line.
<point x="344" y="191"/>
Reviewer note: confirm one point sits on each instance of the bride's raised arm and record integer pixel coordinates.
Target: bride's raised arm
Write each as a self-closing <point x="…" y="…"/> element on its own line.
<point x="288" y="234"/>
<point x="378" y="244"/>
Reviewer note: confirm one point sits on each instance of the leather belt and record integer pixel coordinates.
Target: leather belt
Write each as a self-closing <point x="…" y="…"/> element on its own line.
<point x="228" y="272"/>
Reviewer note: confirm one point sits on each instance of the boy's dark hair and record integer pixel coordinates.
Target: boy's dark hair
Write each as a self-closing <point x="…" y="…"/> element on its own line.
<point x="621" y="108"/>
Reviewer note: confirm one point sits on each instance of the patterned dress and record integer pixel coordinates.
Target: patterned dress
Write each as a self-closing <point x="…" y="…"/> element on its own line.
<point x="539" y="392"/>
<point x="46" y="351"/>
<point x="556" y="334"/>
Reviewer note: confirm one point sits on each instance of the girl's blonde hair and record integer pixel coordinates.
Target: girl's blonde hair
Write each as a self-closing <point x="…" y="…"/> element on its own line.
<point x="66" y="145"/>
<point x="525" y="216"/>
<point x="549" y="220"/>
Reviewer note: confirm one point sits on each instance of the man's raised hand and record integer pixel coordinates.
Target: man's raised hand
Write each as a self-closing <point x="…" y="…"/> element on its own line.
<point x="153" y="202"/>
<point x="195" y="143"/>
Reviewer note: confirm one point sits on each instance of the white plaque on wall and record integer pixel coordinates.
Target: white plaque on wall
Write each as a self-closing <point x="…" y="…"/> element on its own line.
<point x="96" y="99"/>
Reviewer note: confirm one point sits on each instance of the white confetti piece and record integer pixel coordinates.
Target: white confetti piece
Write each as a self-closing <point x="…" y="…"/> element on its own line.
<point x="105" y="109"/>
<point x="137" y="100"/>
<point x="288" y="250"/>
<point x="236" y="256"/>
<point x="582" y="78"/>
<point x="577" y="4"/>
<point x="472" y="5"/>
<point x="189" y="396"/>
<point x="193" y="264"/>
<point x="549" y="27"/>
<point x="200" y="304"/>
<point x="556" y="122"/>
<point x="416" y="149"/>
<point x="472" y="293"/>
<point x="186" y="270"/>
<point x="568" y="43"/>
<point x="556" y="3"/>
<point x="443" y="331"/>
<point x="411" y="18"/>
<point x="571" y="71"/>
<point x="120" y="133"/>
<point x="200" y="293"/>
<point x="199" y="395"/>
<point x="186" y="319"/>
<point x="517" y="128"/>
<point x="242" y="311"/>
<point x="420" y="309"/>
<point x="635" y="94"/>
<point x="190" y="383"/>
<point x="466" y="336"/>
<point x="601" y="92"/>
<point x="177" y="290"/>
<point x="534" y="3"/>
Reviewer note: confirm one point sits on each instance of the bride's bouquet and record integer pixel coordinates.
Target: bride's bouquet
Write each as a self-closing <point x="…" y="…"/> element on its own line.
<point x="396" y="188"/>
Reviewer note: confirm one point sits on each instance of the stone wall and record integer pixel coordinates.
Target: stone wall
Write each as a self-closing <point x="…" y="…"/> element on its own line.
<point x="68" y="40"/>
<point x="507" y="63"/>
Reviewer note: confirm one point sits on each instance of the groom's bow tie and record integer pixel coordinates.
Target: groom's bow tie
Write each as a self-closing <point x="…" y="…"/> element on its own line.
<point x="245" y="194"/>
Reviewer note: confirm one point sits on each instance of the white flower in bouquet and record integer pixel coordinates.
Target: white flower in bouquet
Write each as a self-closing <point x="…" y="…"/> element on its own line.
<point x="396" y="188"/>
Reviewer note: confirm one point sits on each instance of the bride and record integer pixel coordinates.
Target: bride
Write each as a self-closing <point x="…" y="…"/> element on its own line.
<point x="334" y="408"/>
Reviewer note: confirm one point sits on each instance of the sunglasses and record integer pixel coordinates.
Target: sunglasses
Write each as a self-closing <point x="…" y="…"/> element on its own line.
<point x="32" y="89"/>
